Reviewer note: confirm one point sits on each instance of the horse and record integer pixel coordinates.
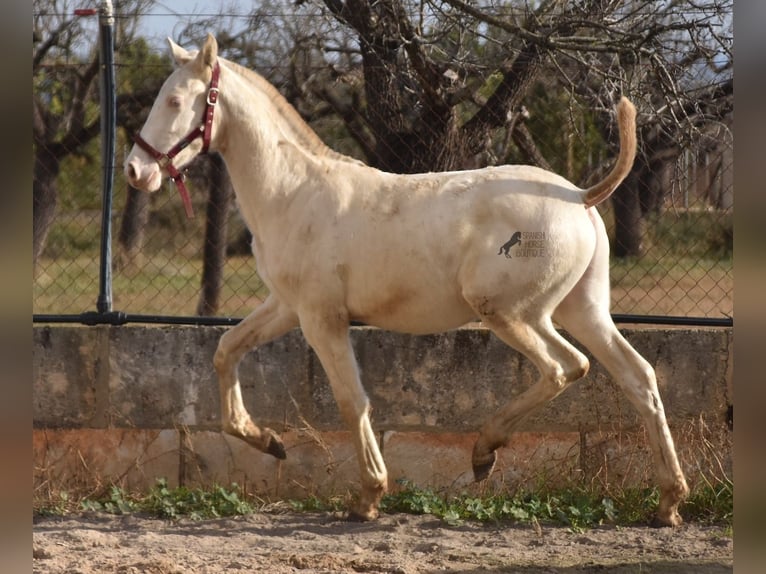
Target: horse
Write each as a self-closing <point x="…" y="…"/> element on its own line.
<point x="415" y="253"/>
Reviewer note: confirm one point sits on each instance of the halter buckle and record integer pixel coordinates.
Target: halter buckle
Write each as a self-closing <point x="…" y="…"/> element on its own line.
<point x="212" y="96"/>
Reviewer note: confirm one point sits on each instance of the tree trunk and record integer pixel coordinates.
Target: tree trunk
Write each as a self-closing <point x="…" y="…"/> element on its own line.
<point x="44" y="200"/>
<point x="241" y="245"/>
<point x="392" y="138"/>
<point x="518" y="77"/>
<point x="130" y="238"/>
<point x="214" y="256"/>
<point x="628" y="220"/>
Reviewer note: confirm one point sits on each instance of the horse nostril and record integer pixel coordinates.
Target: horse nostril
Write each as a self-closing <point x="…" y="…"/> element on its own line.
<point x="130" y="171"/>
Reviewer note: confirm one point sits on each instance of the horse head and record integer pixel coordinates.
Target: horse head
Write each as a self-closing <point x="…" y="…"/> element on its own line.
<point x="179" y="125"/>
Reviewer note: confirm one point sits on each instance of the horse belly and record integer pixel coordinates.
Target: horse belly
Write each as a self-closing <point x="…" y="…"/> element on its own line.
<point x="419" y="319"/>
<point x="411" y="307"/>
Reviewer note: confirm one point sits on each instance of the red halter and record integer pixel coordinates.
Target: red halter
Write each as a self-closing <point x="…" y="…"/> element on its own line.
<point x="165" y="160"/>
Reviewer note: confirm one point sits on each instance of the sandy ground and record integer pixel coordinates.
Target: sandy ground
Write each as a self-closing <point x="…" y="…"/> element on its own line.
<point x="395" y="543"/>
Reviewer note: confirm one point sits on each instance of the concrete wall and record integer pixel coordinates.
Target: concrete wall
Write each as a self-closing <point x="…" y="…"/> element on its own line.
<point x="132" y="403"/>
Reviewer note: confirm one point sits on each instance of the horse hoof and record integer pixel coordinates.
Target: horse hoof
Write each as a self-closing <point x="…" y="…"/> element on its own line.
<point x="356" y="516"/>
<point x="672" y="522"/>
<point x="276" y="448"/>
<point x="483" y="470"/>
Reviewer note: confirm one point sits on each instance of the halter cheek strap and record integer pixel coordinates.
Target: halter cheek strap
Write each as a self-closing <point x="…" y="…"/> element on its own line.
<point x="165" y="160"/>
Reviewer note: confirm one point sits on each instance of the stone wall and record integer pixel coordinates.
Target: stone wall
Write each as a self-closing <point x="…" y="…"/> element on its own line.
<point x="131" y="404"/>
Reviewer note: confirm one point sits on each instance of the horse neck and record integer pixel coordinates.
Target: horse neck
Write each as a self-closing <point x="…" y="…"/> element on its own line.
<point x="291" y="124"/>
<point x="265" y="159"/>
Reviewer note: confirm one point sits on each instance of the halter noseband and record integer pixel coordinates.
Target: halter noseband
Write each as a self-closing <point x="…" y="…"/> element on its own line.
<point x="165" y="160"/>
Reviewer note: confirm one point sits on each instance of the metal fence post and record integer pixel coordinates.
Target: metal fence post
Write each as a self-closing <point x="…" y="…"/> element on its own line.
<point x="108" y="100"/>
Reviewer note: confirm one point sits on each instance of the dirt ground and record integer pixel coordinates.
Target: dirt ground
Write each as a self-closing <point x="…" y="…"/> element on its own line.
<point x="396" y="543"/>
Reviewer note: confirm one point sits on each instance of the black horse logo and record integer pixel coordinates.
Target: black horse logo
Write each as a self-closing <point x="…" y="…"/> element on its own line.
<point x="514" y="240"/>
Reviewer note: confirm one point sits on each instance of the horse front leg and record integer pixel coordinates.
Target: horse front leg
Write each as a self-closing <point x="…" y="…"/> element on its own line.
<point x="330" y="340"/>
<point x="267" y="322"/>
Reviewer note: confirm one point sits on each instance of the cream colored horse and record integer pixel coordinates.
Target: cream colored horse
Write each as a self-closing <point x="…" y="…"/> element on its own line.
<point x="336" y="241"/>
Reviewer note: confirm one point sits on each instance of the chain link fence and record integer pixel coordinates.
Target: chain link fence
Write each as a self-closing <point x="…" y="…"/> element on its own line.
<point x="671" y="228"/>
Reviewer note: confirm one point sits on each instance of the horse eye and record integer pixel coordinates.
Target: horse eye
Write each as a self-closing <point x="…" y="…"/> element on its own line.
<point x="174" y="102"/>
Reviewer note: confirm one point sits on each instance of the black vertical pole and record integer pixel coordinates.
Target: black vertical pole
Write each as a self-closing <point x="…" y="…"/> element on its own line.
<point x="108" y="101"/>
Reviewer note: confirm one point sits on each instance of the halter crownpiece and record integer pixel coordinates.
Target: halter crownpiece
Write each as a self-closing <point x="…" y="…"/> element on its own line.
<point x="165" y="160"/>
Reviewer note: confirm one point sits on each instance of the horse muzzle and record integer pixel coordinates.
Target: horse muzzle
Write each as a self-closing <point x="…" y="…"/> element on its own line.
<point x="142" y="175"/>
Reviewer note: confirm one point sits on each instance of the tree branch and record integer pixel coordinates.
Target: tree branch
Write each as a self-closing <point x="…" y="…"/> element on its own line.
<point x="52" y="41"/>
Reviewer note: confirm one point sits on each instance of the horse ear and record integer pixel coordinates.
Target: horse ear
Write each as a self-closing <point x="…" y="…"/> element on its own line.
<point x="180" y="55"/>
<point x="208" y="55"/>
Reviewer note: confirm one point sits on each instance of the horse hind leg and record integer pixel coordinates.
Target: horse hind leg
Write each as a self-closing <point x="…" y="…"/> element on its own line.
<point x="636" y="377"/>
<point x="269" y="321"/>
<point x="584" y="313"/>
<point x="559" y="364"/>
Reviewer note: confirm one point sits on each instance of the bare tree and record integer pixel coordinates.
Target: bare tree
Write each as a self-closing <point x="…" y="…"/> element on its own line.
<point x="216" y="225"/>
<point x="56" y="133"/>
<point x="442" y="78"/>
<point x="422" y="85"/>
<point x="64" y="106"/>
<point x="130" y="237"/>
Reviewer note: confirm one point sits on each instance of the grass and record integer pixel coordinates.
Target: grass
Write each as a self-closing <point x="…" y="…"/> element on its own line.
<point x="162" y="285"/>
<point x="576" y="508"/>
<point x="170" y="286"/>
<point x="673" y="285"/>
<point x="686" y="270"/>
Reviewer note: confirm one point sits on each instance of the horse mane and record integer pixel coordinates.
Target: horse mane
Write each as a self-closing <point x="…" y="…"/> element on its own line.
<point x="303" y="133"/>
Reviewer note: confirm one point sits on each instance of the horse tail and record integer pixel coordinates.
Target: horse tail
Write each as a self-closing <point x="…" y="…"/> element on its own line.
<point x="626" y="122"/>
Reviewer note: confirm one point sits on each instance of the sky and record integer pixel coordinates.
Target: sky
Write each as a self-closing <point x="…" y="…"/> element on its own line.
<point x="167" y="17"/>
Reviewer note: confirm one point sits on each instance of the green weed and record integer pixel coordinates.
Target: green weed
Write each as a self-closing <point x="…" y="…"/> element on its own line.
<point x="317" y="504"/>
<point x="579" y="509"/>
<point x="166" y="502"/>
<point x="57" y="505"/>
<point x="117" y="502"/>
<point x="576" y="508"/>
